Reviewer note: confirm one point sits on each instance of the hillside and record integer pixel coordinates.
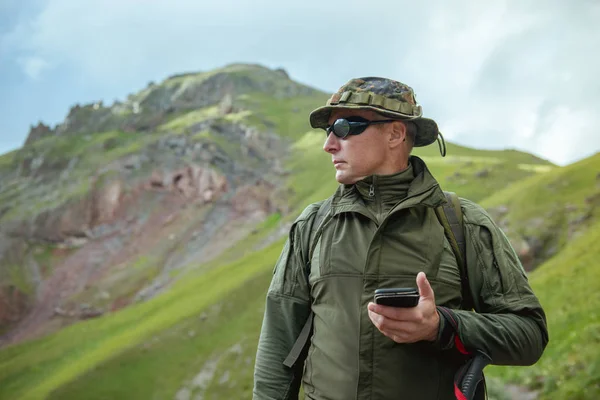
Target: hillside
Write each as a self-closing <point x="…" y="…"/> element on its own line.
<point x="544" y="212"/>
<point x="568" y="286"/>
<point x="85" y="207"/>
<point x="147" y="232"/>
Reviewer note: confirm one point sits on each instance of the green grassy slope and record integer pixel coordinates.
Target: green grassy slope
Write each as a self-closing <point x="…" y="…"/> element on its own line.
<point x="287" y="117"/>
<point x="547" y="193"/>
<point x="477" y="173"/>
<point x="6" y="160"/>
<point x="453" y="150"/>
<point x="218" y="343"/>
<point x="550" y="209"/>
<point x="34" y="370"/>
<point x="568" y="286"/>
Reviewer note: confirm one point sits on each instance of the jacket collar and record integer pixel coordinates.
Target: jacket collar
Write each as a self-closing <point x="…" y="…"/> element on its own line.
<point x="423" y="189"/>
<point x="389" y="188"/>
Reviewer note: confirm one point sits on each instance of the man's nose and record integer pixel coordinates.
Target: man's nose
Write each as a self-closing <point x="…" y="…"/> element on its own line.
<point x="332" y="143"/>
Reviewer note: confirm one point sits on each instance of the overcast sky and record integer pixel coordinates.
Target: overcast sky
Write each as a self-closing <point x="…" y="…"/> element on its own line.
<point x="493" y="74"/>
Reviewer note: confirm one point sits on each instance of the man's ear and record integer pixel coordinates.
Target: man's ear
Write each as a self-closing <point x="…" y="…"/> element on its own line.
<point x="397" y="134"/>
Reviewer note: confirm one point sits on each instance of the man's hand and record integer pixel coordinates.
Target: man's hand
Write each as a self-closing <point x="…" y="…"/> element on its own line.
<point x="409" y="325"/>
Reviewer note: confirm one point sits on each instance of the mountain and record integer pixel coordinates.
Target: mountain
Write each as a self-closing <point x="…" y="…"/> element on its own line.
<point x="137" y="240"/>
<point x="105" y="208"/>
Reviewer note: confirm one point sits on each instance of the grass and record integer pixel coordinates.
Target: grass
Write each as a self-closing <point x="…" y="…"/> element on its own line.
<point x="568" y="286"/>
<point x="251" y="244"/>
<point x="123" y="282"/>
<point x="16" y="266"/>
<point x="183" y="122"/>
<point x="18" y="277"/>
<point x="44" y="257"/>
<point x="30" y="201"/>
<point x="543" y="193"/>
<point x="271" y="222"/>
<point x="92" y="150"/>
<point x="312" y="175"/>
<point x="185" y="350"/>
<point x="34" y="370"/>
<point x="453" y="150"/>
<point x="288" y="117"/>
<point x="55" y="148"/>
<point x="7" y="159"/>
<point x="551" y="207"/>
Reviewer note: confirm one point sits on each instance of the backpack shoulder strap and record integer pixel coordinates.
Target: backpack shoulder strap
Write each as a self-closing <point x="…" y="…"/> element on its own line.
<point x="315" y="233"/>
<point x="451" y="217"/>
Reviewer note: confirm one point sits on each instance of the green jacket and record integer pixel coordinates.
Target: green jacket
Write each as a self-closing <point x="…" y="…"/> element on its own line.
<point x="374" y="240"/>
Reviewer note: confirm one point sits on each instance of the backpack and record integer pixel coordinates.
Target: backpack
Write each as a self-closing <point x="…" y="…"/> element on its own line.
<point x="450" y="217"/>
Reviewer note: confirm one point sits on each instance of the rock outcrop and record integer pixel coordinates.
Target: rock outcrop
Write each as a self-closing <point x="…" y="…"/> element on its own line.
<point x="192" y="182"/>
<point x="37" y="132"/>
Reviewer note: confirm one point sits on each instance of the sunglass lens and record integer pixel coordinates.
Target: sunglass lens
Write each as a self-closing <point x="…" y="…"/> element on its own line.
<point x="341" y="128"/>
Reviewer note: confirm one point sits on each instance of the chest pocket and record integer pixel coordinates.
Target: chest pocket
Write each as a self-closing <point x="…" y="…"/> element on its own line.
<point x="412" y="241"/>
<point x="344" y="244"/>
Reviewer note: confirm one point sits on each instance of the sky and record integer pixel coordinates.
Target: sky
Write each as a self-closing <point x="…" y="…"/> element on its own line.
<point x="493" y="74"/>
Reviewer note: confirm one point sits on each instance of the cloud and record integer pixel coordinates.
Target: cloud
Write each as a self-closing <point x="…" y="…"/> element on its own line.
<point x="492" y="74"/>
<point x="117" y="39"/>
<point x="497" y="75"/>
<point x="33" y="66"/>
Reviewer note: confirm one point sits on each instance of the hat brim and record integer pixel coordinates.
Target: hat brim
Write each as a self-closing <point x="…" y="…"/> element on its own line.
<point x="427" y="129"/>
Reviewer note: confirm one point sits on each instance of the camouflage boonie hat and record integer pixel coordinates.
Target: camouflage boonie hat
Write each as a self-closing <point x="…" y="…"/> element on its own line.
<point x="390" y="98"/>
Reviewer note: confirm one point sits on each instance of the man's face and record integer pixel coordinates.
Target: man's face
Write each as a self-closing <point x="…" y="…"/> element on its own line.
<point x="358" y="156"/>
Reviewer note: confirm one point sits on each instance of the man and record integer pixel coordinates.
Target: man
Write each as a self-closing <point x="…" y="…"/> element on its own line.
<point x="380" y="230"/>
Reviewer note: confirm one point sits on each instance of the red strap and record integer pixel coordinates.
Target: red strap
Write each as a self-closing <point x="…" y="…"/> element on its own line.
<point x="459" y="345"/>
<point x="459" y="395"/>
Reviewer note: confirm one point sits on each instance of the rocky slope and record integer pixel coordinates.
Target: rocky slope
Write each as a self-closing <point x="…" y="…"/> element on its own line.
<point x="106" y="207"/>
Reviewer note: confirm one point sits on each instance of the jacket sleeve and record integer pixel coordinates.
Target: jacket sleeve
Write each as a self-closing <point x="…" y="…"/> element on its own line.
<point x="286" y="310"/>
<point x="509" y="324"/>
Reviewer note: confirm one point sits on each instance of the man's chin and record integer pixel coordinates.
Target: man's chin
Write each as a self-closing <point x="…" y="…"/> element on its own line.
<point x="343" y="178"/>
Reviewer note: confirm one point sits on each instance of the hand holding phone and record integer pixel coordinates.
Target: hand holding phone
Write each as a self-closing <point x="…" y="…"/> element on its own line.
<point x="397" y="297"/>
<point x="402" y="324"/>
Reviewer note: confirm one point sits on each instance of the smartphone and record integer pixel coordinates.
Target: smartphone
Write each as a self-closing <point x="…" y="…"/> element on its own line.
<point x="397" y="297"/>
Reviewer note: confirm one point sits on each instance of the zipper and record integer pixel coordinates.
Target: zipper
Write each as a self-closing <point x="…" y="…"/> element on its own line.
<point x="378" y="205"/>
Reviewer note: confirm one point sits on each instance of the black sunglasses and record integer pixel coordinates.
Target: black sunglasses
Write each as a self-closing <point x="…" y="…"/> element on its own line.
<point x="343" y="127"/>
